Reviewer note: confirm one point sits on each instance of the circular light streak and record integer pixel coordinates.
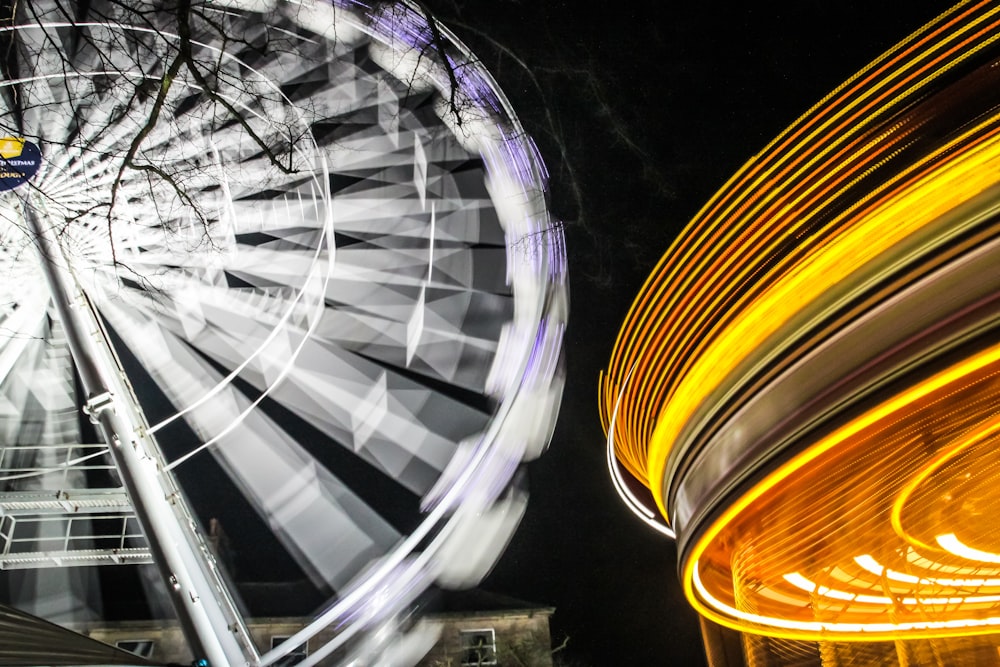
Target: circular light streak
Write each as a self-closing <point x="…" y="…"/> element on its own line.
<point x="786" y="553"/>
<point x="807" y="382"/>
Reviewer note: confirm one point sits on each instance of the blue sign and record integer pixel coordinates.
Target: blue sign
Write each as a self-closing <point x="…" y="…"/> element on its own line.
<point x="19" y="161"/>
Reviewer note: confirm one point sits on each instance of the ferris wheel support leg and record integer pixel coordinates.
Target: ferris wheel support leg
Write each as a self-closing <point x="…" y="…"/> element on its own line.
<point x="211" y="628"/>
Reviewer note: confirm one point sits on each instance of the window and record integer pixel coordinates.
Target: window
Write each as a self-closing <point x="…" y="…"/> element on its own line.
<point x="297" y="655"/>
<point x="140" y="647"/>
<point x="479" y="647"/>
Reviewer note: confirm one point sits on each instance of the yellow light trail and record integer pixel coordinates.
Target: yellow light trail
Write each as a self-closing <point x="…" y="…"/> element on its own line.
<point x="783" y="537"/>
<point x="879" y="191"/>
<point x="720" y="262"/>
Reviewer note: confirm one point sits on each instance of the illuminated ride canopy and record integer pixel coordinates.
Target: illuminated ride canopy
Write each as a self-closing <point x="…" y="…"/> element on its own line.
<point x="807" y="386"/>
<point x="315" y="238"/>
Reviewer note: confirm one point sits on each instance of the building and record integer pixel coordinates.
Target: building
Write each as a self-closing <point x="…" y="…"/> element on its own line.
<point x="805" y="394"/>
<point x="473" y="628"/>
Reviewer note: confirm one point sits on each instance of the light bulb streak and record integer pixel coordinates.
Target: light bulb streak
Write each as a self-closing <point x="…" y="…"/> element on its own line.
<point x="757" y="186"/>
<point x="868" y="563"/>
<point x="938" y="385"/>
<point x="950" y="543"/>
<point x="801" y="582"/>
<point x="726" y="615"/>
<point x="916" y="560"/>
<point x="987" y="430"/>
<point x="645" y="514"/>
<point x="810" y="373"/>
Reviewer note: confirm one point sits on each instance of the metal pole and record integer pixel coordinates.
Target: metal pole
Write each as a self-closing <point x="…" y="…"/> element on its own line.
<point x="211" y="625"/>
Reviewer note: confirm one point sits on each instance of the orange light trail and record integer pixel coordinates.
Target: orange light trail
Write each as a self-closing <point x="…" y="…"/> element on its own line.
<point x="763" y="538"/>
<point x="726" y="249"/>
<point x="863" y="217"/>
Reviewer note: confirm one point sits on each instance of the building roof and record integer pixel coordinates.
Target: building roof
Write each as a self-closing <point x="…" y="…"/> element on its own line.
<point x="478" y="601"/>
<point x="29" y="640"/>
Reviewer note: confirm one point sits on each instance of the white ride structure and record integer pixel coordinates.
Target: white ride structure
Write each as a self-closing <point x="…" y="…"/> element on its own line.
<point x="280" y="236"/>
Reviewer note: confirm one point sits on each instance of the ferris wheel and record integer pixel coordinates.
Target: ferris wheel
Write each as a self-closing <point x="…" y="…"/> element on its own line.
<point x="299" y="250"/>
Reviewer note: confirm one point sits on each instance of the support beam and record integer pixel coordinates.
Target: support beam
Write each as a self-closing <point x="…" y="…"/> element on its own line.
<point x="200" y="597"/>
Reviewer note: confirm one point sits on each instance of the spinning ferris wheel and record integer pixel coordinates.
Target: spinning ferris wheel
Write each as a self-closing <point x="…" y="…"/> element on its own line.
<point x="304" y="245"/>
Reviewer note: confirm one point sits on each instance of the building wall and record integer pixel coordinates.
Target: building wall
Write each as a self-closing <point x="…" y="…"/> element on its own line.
<point x="521" y="637"/>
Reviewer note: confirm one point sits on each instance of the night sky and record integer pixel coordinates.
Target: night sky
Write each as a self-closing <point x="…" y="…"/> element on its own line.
<point x="641" y="110"/>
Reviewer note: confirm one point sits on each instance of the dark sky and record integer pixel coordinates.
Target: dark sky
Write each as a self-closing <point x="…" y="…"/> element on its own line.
<point x="641" y="110"/>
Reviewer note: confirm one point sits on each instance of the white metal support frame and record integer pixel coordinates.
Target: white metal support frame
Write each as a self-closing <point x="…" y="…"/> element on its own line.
<point x="212" y="626"/>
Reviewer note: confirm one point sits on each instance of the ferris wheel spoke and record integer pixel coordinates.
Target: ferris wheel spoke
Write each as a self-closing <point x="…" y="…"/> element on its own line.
<point x="281" y="479"/>
<point x="383" y="416"/>
<point x="443" y="333"/>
